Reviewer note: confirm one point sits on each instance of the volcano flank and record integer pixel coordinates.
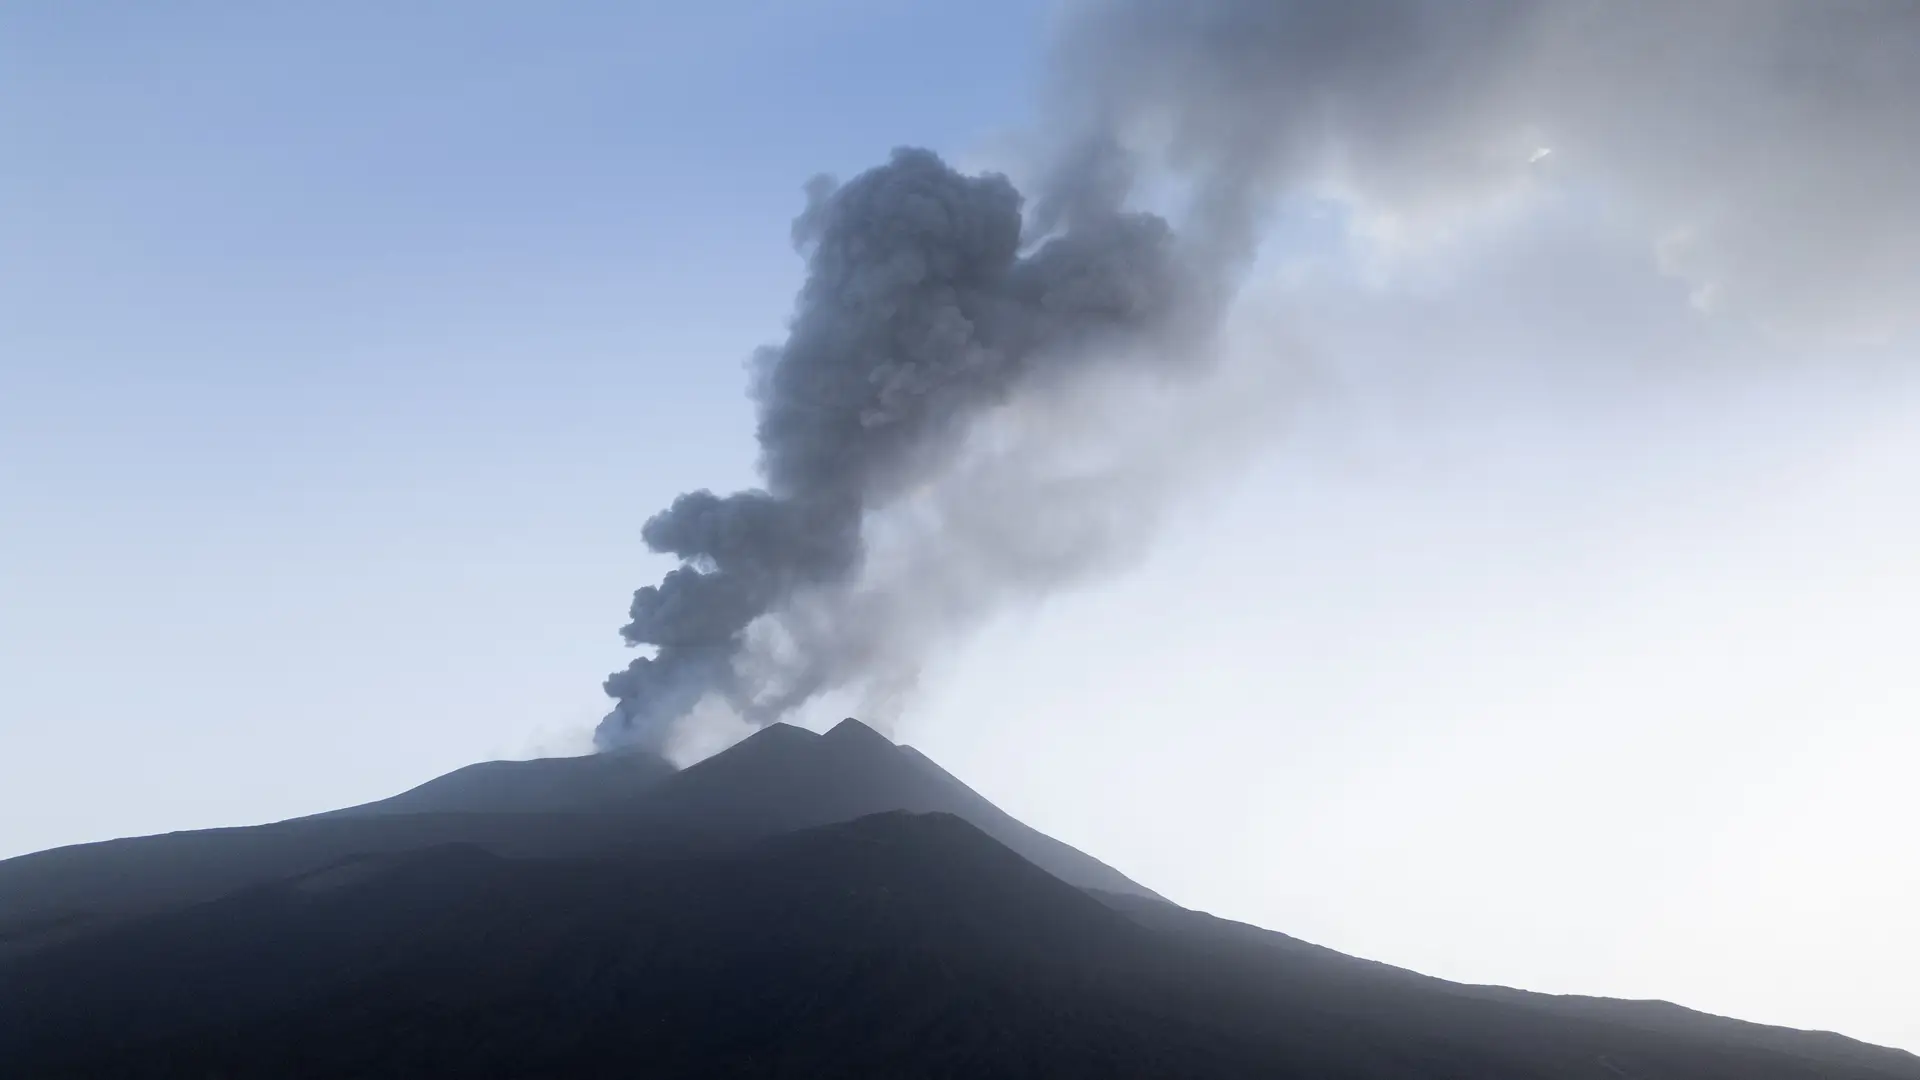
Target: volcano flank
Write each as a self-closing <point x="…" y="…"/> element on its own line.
<point x="798" y="905"/>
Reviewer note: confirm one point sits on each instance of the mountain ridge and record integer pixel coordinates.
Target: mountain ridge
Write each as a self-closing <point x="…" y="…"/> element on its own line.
<point x="801" y="904"/>
<point x="896" y="944"/>
<point x="535" y="785"/>
<point x="780" y="778"/>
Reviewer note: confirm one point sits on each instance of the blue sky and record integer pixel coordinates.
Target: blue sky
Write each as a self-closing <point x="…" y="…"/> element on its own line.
<point x="1549" y="631"/>
<point x="313" y="317"/>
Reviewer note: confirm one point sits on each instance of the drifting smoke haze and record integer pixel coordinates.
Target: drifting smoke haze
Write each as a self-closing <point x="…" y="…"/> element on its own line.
<point x="983" y="399"/>
<point x="1767" y="147"/>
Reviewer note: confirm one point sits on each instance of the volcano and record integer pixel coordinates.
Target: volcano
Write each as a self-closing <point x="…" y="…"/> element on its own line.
<point x="799" y="905"/>
<point x="625" y="804"/>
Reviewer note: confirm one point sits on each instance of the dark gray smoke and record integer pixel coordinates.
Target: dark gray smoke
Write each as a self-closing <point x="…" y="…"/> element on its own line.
<point x="947" y="424"/>
<point x="923" y="309"/>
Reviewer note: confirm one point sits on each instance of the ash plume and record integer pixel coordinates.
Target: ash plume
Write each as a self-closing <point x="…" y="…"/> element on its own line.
<point x="925" y="308"/>
<point x="955" y="420"/>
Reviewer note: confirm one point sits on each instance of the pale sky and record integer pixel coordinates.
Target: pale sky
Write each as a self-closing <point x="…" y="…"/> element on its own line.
<point x="1547" y="623"/>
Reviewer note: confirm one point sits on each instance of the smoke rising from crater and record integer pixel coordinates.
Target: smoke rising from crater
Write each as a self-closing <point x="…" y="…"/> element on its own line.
<point x="925" y="309"/>
<point x="955" y="418"/>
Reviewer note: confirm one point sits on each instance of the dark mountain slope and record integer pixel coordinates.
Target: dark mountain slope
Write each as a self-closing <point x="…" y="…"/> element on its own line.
<point x="1067" y="863"/>
<point x="1254" y="952"/>
<point x="896" y="946"/>
<point x="787" y="778"/>
<point x="782" y="778"/>
<point x="522" y="808"/>
<point x="543" y="785"/>
<point x="55" y="893"/>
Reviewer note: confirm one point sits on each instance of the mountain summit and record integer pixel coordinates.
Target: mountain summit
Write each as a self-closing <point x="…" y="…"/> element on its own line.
<point x="779" y="779"/>
<point x="800" y="905"/>
<point x="783" y="778"/>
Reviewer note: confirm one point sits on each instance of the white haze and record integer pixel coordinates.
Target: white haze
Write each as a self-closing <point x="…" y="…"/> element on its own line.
<point x="1541" y="610"/>
<point x="1552" y="623"/>
<point x="1564" y="642"/>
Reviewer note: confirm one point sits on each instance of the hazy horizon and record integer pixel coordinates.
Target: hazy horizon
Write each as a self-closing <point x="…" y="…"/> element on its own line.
<point x="1536" y="609"/>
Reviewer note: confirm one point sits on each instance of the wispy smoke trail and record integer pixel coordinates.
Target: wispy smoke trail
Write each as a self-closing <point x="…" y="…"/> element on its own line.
<point x="1767" y="146"/>
<point x="941" y="430"/>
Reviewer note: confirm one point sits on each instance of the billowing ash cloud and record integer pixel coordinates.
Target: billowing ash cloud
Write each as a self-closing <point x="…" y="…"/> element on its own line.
<point x="1768" y="146"/>
<point x="956" y="416"/>
<point x="922" y="311"/>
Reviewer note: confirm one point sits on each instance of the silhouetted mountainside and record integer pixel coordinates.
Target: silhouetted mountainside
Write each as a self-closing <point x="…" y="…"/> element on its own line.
<point x="895" y="945"/>
<point x="786" y="778"/>
<point x="1222" y="942"/>
<point x="782" y="778"/>
<point x="544" y="785"/>
<point x="52" y="895"/>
